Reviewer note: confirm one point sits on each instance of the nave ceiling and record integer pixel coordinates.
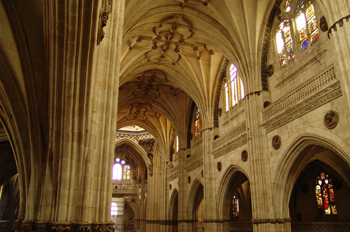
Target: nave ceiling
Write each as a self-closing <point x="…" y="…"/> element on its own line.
<point x="173" y="53"/>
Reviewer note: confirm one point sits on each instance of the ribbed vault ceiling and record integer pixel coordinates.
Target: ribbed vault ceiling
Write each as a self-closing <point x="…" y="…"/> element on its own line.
<point x="173" y="51"/>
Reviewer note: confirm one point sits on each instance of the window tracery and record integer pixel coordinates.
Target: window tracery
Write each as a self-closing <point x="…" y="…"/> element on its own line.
<point x="120" y="170"/>
<point x="235" y="206"/>
<point x="305" y="29"/>
<point x="306" y="24"/>
<point x="177" y="143"/>
<point x="234" y="91"/>
<point x="284" y="42"/>
<point x="325" y="195"/>
<point x="197" y="123"/>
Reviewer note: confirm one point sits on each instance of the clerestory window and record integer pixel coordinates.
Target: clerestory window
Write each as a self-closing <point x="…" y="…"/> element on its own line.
<point x="304" y="32"/>
<point x="234" y="88"/>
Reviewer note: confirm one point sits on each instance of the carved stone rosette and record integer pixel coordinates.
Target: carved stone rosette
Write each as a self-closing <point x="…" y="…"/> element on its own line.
<point x="331" y="119"/>
<point x="276" y="142"/>
<point x="244" y="155"/>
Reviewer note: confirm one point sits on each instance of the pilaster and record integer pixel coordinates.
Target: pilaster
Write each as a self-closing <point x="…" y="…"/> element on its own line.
<point x="210" y="217"/>
<point x="262" y="209"/>
<point x="182" y="198"/>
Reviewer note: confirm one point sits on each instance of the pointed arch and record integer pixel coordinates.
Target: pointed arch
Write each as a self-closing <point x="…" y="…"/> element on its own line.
<point x="137" y="148"/>
<point x="173" y="209"/>
<point x="194" y="198"/>
<point x="233" y="178"/>
<point x="298" y="154"/>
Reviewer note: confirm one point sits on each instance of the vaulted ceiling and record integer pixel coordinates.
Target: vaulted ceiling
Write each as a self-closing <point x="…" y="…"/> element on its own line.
<point x="173" y="53"/>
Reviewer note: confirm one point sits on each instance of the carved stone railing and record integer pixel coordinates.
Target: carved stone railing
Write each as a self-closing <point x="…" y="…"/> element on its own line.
<point x="125" y="186"/>
<point x="136" y="136"/>
<point x="302" y="92"/>
<point x="320" y="226"/>
<point x="228" y="137"/>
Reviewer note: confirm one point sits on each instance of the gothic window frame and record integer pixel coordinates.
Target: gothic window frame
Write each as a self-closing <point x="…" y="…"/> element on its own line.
<point x="291" y="11"/>
<point x="286" y="52"/>
<point x="324" y="194"/>
<point x="177" y="143"/>
<point x="121" y="170"/>
<point x="235" y="206"/>
<point x="302" y="8"/>
<point x="233" y="86"/>
<point x="197" y="122"/>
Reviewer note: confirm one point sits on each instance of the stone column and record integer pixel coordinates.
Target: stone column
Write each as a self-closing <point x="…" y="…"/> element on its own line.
<point x="83" y="103"/>
<point x="182" y="197"/>
<point x="337" y="16"/>
<point x="210" y="216"/>
<point x="264" y="219"/>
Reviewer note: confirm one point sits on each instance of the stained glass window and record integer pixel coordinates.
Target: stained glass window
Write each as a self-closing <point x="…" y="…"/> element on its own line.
<point x="306" y="24"/>
<point x="177" y="143"/>
<point x="120" y="170"/>
<point x="287" y="5"/>
<point x="234" y="91"/>
<point x="325" y="194"/>
<point x="237" y="88"/>
<point x="197" y="122"/>
<point x="117" y="172"/>
<point x="284" y="42"/>
<point x="126" y="172"/>
<point x="234" y="95"/>
<point x="242" y="90"/>
<point x="227" y="101"/>
<point x="235" y="206"/>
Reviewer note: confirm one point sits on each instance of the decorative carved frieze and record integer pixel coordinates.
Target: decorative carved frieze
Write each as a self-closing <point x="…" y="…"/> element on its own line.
<point x="136" y="136"/>
<point x="240" y="129"/>
<point x="194" y="165"/>
<point x="306" y="89"/>
<point x="313" y="102"/>
<point x="59" y="227"/>
<point x="84" y="228"/>
<point x="108" y="227"/>
<point x="173" y="177"/>
<point x="230" y="146"/>
<point x="236" y="115"/>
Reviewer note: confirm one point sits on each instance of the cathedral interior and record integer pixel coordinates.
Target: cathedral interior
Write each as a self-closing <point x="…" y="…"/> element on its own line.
<point x="174" y="115"/>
